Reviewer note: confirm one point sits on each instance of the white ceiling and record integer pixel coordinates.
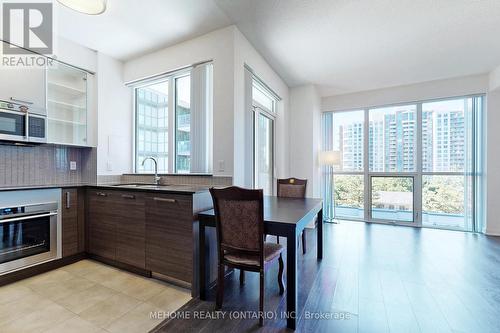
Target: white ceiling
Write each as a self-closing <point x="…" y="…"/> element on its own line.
<point x="354" y="45"/>
<point x="129" y="28"/>
<point x="340" y="45"/>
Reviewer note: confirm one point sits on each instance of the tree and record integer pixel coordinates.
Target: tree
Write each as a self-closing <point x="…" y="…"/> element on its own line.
<point x="349" y="191"/>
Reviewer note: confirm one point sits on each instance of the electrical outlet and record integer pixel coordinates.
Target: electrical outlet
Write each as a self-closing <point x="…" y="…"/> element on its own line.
<point x="222" y="165"/>
<point x="72" y="165"/>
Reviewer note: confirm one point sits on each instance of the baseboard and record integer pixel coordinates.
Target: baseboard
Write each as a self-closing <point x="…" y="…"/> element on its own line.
<point x="492" y="233"/>
<point x="38" y="269"/>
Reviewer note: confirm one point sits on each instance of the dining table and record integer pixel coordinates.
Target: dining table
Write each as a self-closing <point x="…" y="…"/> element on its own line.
<point x="283" y="217"/>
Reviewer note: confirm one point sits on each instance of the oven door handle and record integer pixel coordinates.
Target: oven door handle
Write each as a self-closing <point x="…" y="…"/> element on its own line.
<point x="29" y="217"/>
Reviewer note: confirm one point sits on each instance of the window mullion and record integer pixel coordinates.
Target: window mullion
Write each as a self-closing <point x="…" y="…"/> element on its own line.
<point x="366" y="165"/>
<point x="171" y="125"/>
<point x="417" y="186"/>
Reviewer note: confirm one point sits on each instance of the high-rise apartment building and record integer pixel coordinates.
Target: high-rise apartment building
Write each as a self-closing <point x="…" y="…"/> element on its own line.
<point x="392" y="142"/>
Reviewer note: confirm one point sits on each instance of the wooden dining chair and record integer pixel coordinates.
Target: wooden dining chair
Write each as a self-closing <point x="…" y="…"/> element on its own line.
<point x="239" y="218"/>
<point x="293" y="188"/>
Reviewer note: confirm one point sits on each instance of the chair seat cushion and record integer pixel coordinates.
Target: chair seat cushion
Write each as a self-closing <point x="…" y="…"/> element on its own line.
<point x="271" y="251"/>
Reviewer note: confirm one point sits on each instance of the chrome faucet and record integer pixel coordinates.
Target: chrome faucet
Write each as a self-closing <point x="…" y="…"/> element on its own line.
<point x="157" y="179"/>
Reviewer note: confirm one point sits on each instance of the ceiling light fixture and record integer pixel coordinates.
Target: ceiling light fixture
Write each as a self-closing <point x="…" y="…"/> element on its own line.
<point x="90" y="7"/>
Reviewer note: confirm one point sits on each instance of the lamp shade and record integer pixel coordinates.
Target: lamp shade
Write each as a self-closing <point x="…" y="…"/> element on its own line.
<point x="90" y="7"/>
<point x="329" y="157"/>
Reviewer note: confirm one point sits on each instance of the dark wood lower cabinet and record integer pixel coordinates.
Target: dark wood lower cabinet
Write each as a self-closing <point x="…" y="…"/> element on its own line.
<point x="130" y="228"/>
<point x="148" y="230"/>
<point x="116" y="226"/>
<point x="101" y="228"/>
<point x="73" y="221"/>
<point x="169" y="235"/>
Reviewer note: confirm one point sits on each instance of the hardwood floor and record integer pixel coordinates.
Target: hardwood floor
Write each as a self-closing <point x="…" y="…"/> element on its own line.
<point x="373" y="278"/>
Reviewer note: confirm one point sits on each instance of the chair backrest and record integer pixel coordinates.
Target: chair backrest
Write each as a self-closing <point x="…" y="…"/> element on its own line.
<point x="239" y="217"/>
<point x="292" y="188"/>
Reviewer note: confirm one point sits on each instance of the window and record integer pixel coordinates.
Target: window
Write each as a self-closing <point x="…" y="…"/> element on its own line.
<point x="164" y="119"/>
<point x="387" y="193"/>
<point x="392" y="136"/>
<point x="446" y="144"/>
<point x="264" y="107"/>
<point x="348" y="138"/>
<point x="424" y="163"/>
<point x="152" y="126"/>
<point x="348" y="196"/>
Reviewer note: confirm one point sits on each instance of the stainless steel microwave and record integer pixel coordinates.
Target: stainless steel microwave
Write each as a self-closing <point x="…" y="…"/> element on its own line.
<point x="22" y="123"/>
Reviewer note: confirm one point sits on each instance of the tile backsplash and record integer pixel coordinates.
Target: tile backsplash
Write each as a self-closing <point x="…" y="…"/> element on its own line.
<point x="46" y="165"/>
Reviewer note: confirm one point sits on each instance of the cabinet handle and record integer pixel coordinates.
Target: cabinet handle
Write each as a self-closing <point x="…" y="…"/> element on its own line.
<point x="20" y="101"/>
<point x="128" y="196"/>
<point x="67" y="200"/>
<point x="164" y="200"/>
<point x="101" y="194"/>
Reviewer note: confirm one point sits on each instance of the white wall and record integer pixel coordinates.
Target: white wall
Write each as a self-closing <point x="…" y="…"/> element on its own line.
<point x="229" y="50"/>
<point x="76" y="54"/>
<point x="245" y="53"/>
<point x="493" y="163"/>
<point x="217" y="46"/>
<point x="475" y="84"/>
<point x="495" y="79"/>
<point x="305" y="136"/>
<point x="115" y="118"/>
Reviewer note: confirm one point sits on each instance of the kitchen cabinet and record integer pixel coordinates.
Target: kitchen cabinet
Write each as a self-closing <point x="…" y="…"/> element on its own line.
<point x="116" y="226"/>
<point x="67" y="101"/>
<point x="66" y="94"/>
<point x="73" y="221"/>
<point x="130" y="231"/>
<point x="101" y="227"/>
<point x="169" y="235"/>
<point x="149" y="230"/>
<point x="24" y="85"/>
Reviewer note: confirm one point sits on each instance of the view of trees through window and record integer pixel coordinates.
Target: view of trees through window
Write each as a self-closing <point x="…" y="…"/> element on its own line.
<point x="444" y="145"/>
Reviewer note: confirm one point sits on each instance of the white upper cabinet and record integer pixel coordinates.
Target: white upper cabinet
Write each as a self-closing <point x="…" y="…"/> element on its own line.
<point x="67" y="101"/>
<point x="24" y="85"/>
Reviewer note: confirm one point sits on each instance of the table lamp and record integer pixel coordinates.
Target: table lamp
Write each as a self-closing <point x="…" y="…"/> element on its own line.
<point x="330" y="158"/>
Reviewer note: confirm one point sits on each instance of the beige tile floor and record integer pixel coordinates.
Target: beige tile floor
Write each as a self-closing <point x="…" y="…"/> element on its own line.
<point x="87" y="297"/>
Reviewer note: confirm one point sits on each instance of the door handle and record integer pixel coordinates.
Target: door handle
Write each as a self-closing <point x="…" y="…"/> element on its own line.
<point x="67" y="200"/>
<point x="128" y="196"/>
<point x="101" y="194"/>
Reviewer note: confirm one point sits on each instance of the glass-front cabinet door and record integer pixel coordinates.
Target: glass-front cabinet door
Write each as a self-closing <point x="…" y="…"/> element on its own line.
<point x="66" y="105"/>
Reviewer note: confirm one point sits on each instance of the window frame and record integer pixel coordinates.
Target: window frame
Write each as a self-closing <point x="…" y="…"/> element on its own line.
<point x="260" y="110"/>
<point x="418" y="172"/>
<point x="171" y="121"/>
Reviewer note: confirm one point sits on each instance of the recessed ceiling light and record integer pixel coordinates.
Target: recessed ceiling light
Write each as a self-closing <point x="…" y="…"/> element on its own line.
<point x="90" y="7"/>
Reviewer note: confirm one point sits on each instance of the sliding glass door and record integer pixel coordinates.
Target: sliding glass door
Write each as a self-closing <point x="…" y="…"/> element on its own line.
<point x="422" y="167"/>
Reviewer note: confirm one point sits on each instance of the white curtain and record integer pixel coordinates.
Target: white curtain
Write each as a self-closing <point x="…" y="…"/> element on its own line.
<point x="326" y="171"/>
<point x="201" y="118"/>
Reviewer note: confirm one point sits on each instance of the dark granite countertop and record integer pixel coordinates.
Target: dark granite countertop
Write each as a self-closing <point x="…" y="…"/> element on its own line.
<point x="35" y="187"/>
<point x="177" y="189"/>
